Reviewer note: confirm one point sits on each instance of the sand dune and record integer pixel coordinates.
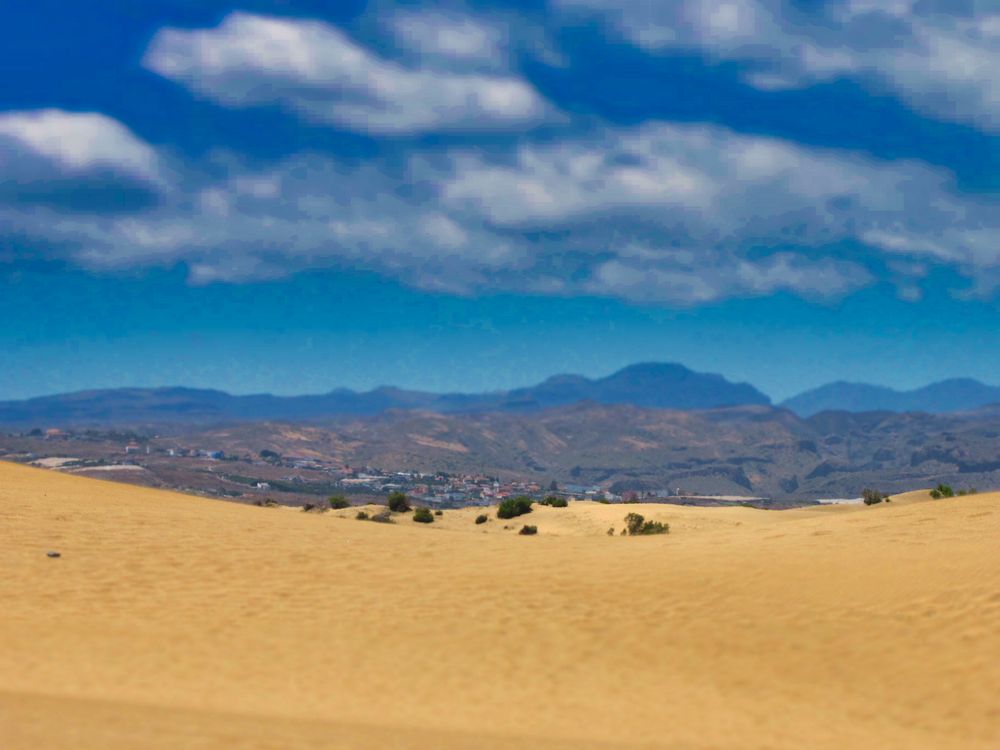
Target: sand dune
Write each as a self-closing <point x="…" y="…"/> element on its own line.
<point x="178" y="622"/>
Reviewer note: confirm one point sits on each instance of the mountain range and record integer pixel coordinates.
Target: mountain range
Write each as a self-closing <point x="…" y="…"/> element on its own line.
<point x="651" y="385"/>
<point x="955" y="395"/>
<point x="647" y="385"/>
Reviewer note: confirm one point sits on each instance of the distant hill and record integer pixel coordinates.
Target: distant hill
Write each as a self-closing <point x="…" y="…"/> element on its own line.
<point x="653" y="385"/>
<point x="958" y="394"/>
<point x="757" y="451"/>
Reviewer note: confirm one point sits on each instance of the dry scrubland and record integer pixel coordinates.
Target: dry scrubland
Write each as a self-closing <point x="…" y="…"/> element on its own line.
<point x="178" y="622"/>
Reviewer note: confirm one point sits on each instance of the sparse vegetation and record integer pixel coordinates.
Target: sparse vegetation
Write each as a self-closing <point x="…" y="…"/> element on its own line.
<point x="514" y="507"/>
<point x="423" y="515"/>
<point x="399" y="503"/>
<point x="361" y="516"/>
<point x="970" y="491"/>
<point x="481" y="519"/>
<point x="339" y="502"/>
<point x="528" y="530"/>
<point x="873" y="497"/>
<point x="611" y="531"/>
<point x="554" y="502"/>
<point x="637" y="525"/>
<point x="266" y="503"/>
<point x="439" y="512"/>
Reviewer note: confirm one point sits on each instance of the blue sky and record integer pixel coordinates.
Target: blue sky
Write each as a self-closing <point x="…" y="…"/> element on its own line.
<point x="274" y="196"/>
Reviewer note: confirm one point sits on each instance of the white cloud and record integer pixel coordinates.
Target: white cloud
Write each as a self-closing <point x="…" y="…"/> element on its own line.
<point x="74" y="143"/>
<point x="941" y="63"/>
<point x="317" y="71"/>
<point x="707" y="184"/>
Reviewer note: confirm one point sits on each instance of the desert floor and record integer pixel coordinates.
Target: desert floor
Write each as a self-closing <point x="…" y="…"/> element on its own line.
<point x="178" y="622"/>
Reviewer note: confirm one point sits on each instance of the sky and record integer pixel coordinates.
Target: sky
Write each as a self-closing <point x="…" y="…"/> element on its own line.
<point x="293" y="196"/>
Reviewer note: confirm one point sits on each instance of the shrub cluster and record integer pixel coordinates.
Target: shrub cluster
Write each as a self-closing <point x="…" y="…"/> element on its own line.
<point x="314" y="508"/>
<point x="266" y="503"/>
<point x="338" y="502"/>
<point x="637" y="525"/>
<point x="554" y="502"/>
<point x="514" y="506"/>
<point x="362" y="516"/>
<point x="423" y="515"/>
<point x="528" y="530"/>
<point x="942" y="490"/>
<point x="946" y="490"/>
<point x="482" y="518"/>
<point x="873" y="497"/>
<point x="398" y="502"/>
<point x="383" y="517"/>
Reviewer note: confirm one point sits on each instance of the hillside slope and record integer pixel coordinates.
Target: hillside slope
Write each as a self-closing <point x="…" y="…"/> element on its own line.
<point x="172" y="621"/>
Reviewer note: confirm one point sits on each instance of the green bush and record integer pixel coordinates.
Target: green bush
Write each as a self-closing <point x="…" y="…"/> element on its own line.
<point x="637" y="525"/>
<point x="423" y="515"/>
<point x="398" y="502"/>
<point x="439" y="513"/>
<point x="361" y="516"/>
<point x="528" y="530"/>
<point x="314" y="508"/>
<point x="873" y="497"/>
<point x="383" y="517"/>
<point x="482" y="518"/>
<point x="338" y="502"/>
<point x="554" y="502"/>
<point x="942" y="490"/>
<point x="514" y="507"/>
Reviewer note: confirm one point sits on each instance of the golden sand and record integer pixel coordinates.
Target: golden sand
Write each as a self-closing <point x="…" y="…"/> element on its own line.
<point x="178" y="622"/>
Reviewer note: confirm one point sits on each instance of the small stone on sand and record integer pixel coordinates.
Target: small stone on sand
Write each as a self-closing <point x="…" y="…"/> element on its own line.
<point x="53" y="554"/>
